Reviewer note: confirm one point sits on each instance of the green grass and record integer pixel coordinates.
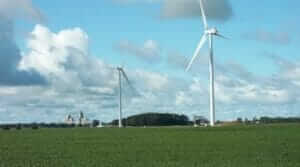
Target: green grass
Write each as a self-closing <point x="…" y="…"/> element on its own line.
<point x="239" y="146"/>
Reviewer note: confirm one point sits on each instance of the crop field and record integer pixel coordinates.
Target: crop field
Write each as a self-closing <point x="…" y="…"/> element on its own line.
<point x="232" y="146"/>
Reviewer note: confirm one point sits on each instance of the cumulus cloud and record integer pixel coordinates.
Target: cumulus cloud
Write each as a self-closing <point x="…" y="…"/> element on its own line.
<point x="10" y="54"/>
<point x="219" y="10"/>
<point x="153" y="81"/>
<point x="240" y="86"/>
<point x="279" y="37"/>
<point x="63" y="58"/>
<point x="149" y="51"/>
<point x="77" y="81"/>
<point x="242" y="92"/>
<point x="289" y="72"/>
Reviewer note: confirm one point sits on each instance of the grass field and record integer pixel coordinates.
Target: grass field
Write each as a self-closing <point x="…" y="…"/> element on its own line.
<point x="239" y="146"/>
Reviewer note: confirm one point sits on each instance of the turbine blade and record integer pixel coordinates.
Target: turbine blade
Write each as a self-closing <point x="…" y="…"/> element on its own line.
<point x="221" y="36"/>
<point x="127" y="80"/>
<point x="201" y="43"/>
<point x="203" y="14"/>
<point x="126" y="77"/>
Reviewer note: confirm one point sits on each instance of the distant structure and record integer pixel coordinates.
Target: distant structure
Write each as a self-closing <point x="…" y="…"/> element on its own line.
<point x="200" y="121"/>
<point x="69" y="120"/>
<point x="100" y="125"/>
<point x="83" y="120"/>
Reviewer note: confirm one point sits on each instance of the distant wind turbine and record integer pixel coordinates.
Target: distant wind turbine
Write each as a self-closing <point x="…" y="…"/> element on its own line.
<point x="209" y="33"/>
<point x="121" y="75"/>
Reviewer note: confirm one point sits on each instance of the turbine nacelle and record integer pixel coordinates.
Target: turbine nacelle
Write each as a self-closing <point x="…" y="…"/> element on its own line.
<point x="212" y="31"/>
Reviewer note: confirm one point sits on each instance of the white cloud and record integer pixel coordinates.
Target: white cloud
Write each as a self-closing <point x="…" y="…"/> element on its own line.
<point x="10" y="53"/>
<point x="63" y="58"/>
<point x="6" y="91"/>
<point x="197" y="86"/>
<point x="271" y="37"/>
<point x="149" y="51"/>
<point x="183" y="99"/>
<point x="49" y="52"/>
<point x="77" y="80"/>
<point x="153" y="81"/>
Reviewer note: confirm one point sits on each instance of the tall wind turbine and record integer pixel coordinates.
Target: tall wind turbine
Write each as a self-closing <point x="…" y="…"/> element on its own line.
<point x="121" y="75"/>
<point x="209" y="33"/>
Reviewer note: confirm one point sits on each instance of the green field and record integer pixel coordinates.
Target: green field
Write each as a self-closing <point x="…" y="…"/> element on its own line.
<point x="239" y="146"/>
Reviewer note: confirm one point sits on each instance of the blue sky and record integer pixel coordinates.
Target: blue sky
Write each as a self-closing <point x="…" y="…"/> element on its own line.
<point x="263" y="47"/>
<point x="108" y="22"/>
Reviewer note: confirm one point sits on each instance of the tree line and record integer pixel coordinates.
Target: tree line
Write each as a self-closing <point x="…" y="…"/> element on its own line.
<point x="269" y="120"/>
<point x="280" y="120"/>
<point x="41" y="125"/>
<point x="154" y="119"/>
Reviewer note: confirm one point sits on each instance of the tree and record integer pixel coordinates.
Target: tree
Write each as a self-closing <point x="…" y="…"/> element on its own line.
<point x="155" y="119"/>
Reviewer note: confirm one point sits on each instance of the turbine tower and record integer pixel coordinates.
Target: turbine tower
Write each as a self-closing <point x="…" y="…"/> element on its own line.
<point x="121" y="74"/>
<point x="209" y="33"/>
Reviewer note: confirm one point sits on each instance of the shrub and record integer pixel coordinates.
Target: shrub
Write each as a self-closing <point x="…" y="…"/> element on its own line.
<point x="6" y="127"/>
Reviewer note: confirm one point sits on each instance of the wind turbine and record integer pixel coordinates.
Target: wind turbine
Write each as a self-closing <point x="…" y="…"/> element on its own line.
<point x="122" y="73"/>
<point x="209" y="33"/>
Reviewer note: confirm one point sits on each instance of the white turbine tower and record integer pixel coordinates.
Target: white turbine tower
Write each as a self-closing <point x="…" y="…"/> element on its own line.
<point x="209" y="33"/>
<point x="121" y="73"/>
